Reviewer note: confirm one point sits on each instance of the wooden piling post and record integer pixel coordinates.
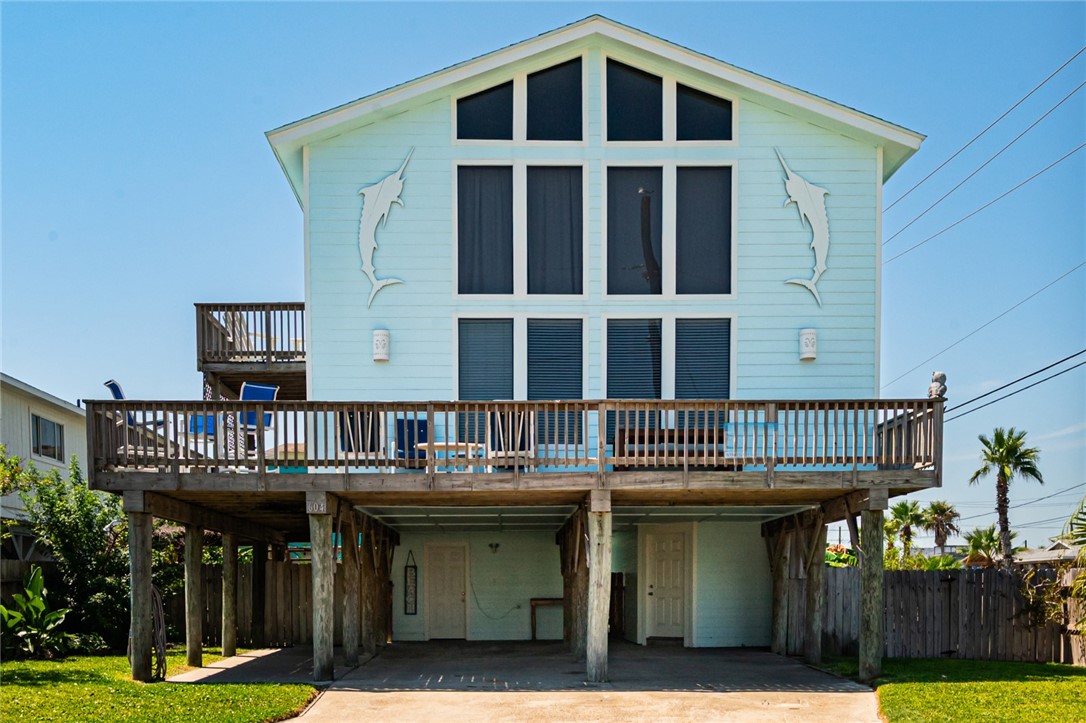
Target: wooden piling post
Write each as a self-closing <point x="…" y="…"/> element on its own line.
<point x="782" y="548"/>
<point x="141" y="630"/>
<point x="257" y="594"/>
<point x="194" y="596"/>
<point x="318" y="506"/>
<point x="599" y="584"/>
<point x="350" y="590"/>
<point x="816" y="566"/>
<point x="229" y="594"/>
<point x="871" y="587"/>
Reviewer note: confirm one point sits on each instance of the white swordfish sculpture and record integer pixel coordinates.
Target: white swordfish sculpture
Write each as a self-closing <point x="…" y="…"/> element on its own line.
<point x="810" y="201"/>
<point x="377" y="200"/>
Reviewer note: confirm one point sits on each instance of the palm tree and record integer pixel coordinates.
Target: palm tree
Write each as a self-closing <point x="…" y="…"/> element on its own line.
<point x="890" y="528"/>
<point x="1007" y="455"/>
<point x="939" y="517"/>
<point x="983" y="541"/>
<point x="907" y="515"/>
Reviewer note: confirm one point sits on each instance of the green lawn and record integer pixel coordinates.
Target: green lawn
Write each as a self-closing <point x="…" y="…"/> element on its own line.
<point x="94" y="688"/>
<point x="973" y="690"/>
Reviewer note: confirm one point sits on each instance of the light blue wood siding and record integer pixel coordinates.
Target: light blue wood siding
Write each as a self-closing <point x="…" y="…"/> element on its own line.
<point x="417" y="246"/>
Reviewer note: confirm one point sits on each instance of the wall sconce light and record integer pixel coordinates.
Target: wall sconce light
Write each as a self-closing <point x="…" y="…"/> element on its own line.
<point x="808" y="344"/>
<point x="381" y="342"/>
<point x="494" y="546"/>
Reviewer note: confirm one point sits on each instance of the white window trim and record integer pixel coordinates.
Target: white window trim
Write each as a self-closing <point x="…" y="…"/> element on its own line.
<point x="668" y="229"/>
<point x="670" y="108"/>
<point x="520" y="346"/>
<point x="667" y="346"/>
<point x="520" y="106"/>
<point x="520" y="230"/>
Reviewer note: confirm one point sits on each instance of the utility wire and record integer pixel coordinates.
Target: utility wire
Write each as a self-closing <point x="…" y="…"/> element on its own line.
<point x="986" y="324"/>
<point x="990" y="126"/>
<point x="982" y="166"/>
<point x="994" y="200"/>
<point x="1019" y="379"/>
<point x="1005" y="396"/>
<point x="1030" y="502"/>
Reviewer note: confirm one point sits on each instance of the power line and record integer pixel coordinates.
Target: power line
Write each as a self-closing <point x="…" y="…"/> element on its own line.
<point x="994" y="200"/>
<point x="1016" y="391"/>
<point x="986" y="324"/>
<point x="1019" y="379"/>
<point x="990" y="126"/>
<point x="982" y="166"/>
<point x="1030" y="502"/>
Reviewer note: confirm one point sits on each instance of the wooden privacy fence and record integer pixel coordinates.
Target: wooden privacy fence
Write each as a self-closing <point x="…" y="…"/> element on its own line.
<point x="972" y="614"/>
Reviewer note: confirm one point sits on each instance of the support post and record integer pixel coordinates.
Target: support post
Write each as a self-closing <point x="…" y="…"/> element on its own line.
<point x="257" y="597"/>
<point x="194" y="596"/>
<point x="782" y="549"/>
<point x="871" y="587"/>
<point x="318" y="506"/>
<point x="816" y="566"/>
<point x="229" y="594"/>
<point x="350" y="591"/>
<point x="599" y="584"/>
<point x="141" y="630"/>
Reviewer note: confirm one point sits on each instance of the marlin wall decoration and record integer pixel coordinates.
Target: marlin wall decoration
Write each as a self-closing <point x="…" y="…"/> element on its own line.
<point x="810" y="201"/>
<point x="377" y="201"/>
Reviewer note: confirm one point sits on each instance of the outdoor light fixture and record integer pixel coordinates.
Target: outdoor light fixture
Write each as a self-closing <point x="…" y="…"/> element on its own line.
<point x="808" y="344"/>
<point x="381" y="341"/>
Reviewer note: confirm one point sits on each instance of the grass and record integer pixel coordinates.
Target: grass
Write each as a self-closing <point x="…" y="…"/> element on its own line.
<point x="937" y="690"/>
<point x="99" y="688"/>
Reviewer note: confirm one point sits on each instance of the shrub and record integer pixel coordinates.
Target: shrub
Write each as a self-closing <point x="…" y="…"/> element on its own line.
<point x="31" y="628"/>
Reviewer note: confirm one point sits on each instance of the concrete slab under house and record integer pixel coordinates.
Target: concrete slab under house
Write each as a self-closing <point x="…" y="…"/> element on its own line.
<point x="589" y="346"/>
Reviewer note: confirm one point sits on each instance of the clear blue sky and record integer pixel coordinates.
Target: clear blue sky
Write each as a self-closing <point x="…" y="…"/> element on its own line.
<point x="137" y="180"/>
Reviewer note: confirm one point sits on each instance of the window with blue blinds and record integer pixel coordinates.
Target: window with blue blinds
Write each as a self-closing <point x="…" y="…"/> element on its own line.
<point x="702" y="358"/>
<point x="555" y="371"/>
<point x="486" y="368"/>
<point x="633" y="366"/>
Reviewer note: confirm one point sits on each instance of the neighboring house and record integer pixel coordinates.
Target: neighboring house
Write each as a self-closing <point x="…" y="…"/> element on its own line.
<point x="1057" y="553"/>
<point x="42" y="430"/>
<point x="592" y="214"/>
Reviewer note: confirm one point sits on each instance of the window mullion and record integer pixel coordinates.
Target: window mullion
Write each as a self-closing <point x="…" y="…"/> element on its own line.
<point x="669" y="94"/>
<point x="520" y="228"/>
<point x="668" y="221"/>
<point x="520" y="108"/>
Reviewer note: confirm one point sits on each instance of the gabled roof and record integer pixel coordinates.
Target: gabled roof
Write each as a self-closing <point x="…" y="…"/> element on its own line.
<point x="287" y="141"/>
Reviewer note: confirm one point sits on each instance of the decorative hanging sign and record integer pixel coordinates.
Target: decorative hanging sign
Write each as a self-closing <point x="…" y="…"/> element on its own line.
<point x="410" y="586"/>
<point x="377" y="201"/>
<point x="810" y="201"/>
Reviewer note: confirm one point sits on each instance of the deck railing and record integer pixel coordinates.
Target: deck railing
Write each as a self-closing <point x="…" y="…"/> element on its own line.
<point x="268" y="333"/>
<point x="540" y="436"/>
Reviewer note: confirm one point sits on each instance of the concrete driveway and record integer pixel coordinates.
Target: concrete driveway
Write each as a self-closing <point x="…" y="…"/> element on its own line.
<point x="540" y="681"/>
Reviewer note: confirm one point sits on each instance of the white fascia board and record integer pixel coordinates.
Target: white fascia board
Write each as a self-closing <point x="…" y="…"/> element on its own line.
<point x="25" y="388"/>
<point x="287" y="140"/>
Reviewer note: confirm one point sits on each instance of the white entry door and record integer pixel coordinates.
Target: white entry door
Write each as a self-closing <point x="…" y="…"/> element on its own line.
<point x="666" y="586"/>
<point x="446" y="588"/>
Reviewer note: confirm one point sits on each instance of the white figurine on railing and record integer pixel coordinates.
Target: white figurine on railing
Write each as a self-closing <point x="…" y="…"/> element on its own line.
<point x="937" y="388"/>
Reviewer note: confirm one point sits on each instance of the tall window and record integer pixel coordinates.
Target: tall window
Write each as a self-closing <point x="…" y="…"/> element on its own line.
<point x="554" y="103"/>
<point x="634" y="227"/>
<point x="555" y="230"/>
<point x="485" y="229"/>
<point x="635" y="104"/>
<point x="555" y="371"/>
<point x="486" y="115"/>
<point x="47" y="438"/>
<point x="703" y="230"/>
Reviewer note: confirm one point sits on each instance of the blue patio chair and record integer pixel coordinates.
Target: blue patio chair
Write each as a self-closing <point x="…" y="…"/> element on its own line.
<point x="118" y="394"/>
<point x="410" y="433"/>
<point x="252" y="392"/>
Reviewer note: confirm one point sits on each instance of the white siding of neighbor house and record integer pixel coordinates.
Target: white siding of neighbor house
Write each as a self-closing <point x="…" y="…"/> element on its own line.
<point x="500" y="584"/>
<point x="417" y="245"/>
<point x="18" y="402"/>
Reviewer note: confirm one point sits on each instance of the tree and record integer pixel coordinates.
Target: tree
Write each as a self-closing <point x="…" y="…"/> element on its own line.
<point x="907" y="515"/>
<point x="1006" y="455"/>
<point x="984" y="541"/>
<point x="940" y="518"/>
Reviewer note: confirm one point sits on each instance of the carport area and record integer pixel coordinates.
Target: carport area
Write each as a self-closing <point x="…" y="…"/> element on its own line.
<point x="542" y="681"/>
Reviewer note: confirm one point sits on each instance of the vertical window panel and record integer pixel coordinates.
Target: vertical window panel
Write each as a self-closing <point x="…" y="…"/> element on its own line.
<point x="634" y="238"/>
<point x="554" y="103"/>
<point x="485" y="369"/>
<point x="703" y="228"/>
<point x="702" y="358"/>
<point x="486" y="115"/>
<point x="633" y="368"/>
<point x="635" y="104"/>
<point x="555" y="372"/>
<point x="555" y="230"/>
<point x="46" y="438"/>
<point x="701" y="116"/>
<point x="485" y="229"/>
